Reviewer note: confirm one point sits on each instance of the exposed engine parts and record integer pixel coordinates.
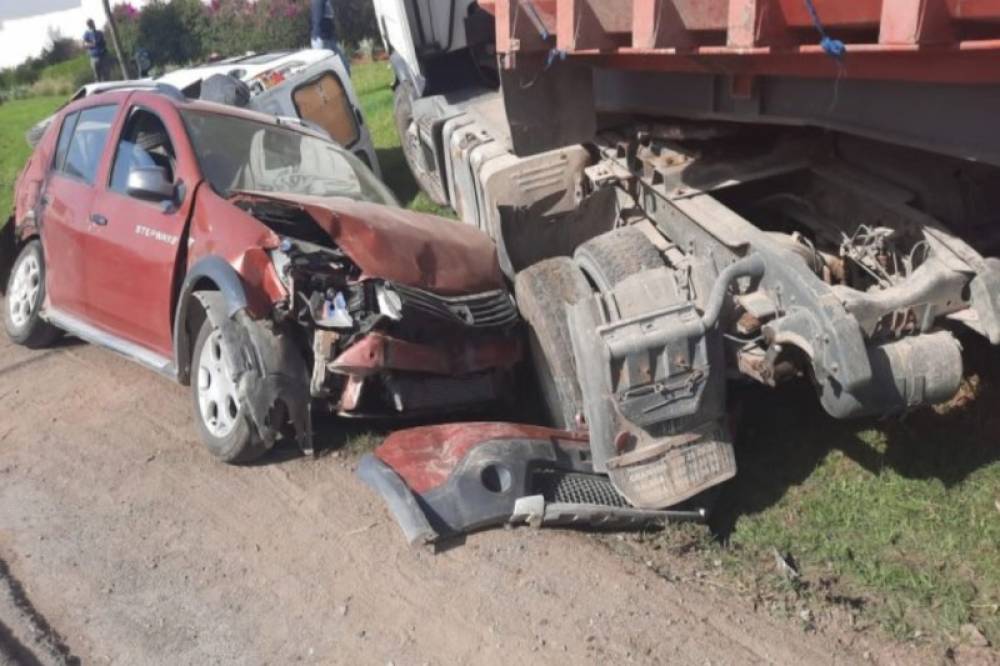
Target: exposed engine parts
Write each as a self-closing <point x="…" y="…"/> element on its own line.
<point x="378" y="346"/>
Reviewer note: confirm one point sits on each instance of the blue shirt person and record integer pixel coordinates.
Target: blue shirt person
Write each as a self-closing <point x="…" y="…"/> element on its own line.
<point x="93" y="40"/>
<point x="324" y="30"/>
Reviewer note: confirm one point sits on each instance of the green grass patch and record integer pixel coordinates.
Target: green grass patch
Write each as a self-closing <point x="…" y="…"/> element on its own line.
<point x="898" y="520"/>
<point x="373" y="83"/>
<point x="71" y="69"/>
<point x="16" y="117"/>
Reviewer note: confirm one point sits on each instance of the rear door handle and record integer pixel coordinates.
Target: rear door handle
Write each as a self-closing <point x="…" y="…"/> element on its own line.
<point x="98" y="219"/>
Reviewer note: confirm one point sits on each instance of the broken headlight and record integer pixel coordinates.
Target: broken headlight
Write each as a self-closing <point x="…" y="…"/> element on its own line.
<point x="390" y="303"/>
<point x="281" y="262"/>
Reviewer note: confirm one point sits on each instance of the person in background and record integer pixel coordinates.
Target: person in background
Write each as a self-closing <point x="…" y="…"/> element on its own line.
<point x="93" y="41"/>
<point x="324" y="30"/>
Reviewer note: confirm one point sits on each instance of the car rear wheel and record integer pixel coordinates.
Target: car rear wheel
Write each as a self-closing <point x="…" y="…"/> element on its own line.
<point x="542" y="291"/>
<point x="25" y="296"/>
<point x="220" y="415"/>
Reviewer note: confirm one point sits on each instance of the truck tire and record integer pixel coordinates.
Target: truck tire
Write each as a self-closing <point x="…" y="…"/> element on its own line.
<point x="542" y="292"/>
<point x="25" y="296"/>
<point x="222" y="421"/>
<point x="614" y="255"/>
<point x="403" y="115"/>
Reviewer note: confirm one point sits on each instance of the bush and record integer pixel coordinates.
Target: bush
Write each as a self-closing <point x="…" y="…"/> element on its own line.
<point x="238" y="26"/>
<point x="77" y="71"/>
<point x="50" y="87"/>
<point x="355" y="21"/>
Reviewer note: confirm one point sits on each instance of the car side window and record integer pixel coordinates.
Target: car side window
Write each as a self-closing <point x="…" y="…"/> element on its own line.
<point x="65" y="134"/>
<point x="144" y="143"/>
<point x="88" y="136"/>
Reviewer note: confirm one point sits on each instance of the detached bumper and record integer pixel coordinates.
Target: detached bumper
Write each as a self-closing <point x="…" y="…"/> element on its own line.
<point x="448" y="480"/>
<point x="377" y="352"/>
<point x="386" y="375"/>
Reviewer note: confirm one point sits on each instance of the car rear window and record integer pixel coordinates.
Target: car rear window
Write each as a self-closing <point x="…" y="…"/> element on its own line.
<point x="82" y="140"/>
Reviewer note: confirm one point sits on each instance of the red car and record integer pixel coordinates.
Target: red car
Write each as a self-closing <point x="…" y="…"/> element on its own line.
<point x="256" y="260"/>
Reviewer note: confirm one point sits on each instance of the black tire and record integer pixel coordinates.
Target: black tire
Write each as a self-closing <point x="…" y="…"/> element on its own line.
<point x="542" y="292"/>
<point x="26" y="326"/>
<point x="614" y="255"/>
<point x="403" y="115"/>
<point x="241" y="444"/>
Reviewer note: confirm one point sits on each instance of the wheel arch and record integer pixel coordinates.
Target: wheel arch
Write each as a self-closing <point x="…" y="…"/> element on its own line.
<point x="207" y="274"/>
<point x="13" y="237"/>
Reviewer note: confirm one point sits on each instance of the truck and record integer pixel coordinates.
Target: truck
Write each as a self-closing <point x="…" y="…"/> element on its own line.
<point x="691" y="193"/>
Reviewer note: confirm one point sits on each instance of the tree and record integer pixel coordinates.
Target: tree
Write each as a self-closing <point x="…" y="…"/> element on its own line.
<point x="114" y="38"/>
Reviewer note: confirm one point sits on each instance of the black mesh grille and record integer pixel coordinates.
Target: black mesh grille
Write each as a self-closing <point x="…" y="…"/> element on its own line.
<point x="574" y="488"/>
<point x="487" y="309"/>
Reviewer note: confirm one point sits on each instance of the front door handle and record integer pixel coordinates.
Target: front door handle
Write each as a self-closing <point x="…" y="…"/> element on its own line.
<point x="98" y="219"/>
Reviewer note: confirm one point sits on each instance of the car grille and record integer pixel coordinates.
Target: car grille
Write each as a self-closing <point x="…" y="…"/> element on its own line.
<point x="489" y="309"/>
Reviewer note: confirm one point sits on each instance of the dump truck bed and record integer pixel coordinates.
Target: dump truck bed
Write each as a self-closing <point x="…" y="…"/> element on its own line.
<point x="944" y="41"/>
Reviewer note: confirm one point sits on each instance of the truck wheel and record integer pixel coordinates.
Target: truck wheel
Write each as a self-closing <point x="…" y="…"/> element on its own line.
<point x="221" y="418"/>
<point x="542" y="292"/>
<point x="25" y="295"/>
<point x="614" y="255"/>
<point x="403" y="114"/>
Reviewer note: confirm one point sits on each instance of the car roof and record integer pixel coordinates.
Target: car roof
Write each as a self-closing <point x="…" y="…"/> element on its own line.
<point x="246" y="67"/>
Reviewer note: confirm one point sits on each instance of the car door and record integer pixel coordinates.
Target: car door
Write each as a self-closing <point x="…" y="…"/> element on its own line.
<point x="133" y="247"/>
<point x="66" y="201"/>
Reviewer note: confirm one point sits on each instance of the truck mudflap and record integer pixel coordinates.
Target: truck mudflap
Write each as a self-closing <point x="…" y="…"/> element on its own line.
<point x="443" y="481"/>
<point x="651" y="372"/>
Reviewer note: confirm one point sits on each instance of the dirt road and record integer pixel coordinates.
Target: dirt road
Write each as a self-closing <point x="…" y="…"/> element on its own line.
<point x="122" y="542"/>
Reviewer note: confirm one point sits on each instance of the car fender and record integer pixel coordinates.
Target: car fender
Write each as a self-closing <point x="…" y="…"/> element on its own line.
<point x="271" y="376"/>
<point x="210" y="272"/>
<point x="8" y="252"/>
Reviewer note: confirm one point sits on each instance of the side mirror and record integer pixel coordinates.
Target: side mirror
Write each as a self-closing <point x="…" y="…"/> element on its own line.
<point x="150" y="183"/>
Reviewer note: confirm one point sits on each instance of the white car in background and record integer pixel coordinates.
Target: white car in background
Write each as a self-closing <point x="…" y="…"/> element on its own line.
<point x="311" y="85"/>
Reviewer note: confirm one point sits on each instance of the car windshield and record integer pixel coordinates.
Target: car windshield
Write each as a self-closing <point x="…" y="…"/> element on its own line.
<point x="240" y="154"/>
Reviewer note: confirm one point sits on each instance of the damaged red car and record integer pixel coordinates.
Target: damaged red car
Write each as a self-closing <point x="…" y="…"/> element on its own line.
<point x="256" y="260"/>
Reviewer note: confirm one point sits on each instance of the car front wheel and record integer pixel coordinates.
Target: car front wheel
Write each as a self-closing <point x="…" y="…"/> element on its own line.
<point x="221" y="417"/>
<point x="25" y="296"/>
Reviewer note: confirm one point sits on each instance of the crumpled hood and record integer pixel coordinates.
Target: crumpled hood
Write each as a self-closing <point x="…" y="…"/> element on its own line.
<point x="415" y="249"/>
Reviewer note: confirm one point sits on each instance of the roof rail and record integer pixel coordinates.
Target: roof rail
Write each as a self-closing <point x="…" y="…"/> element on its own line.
<point x="152" y="86"/>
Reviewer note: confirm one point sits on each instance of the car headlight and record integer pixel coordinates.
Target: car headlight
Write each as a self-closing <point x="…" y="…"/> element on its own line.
<point x="389" y="302"/>
<point x="280" y="261"/>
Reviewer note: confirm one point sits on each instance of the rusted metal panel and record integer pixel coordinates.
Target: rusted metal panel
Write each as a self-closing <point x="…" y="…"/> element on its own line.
<point x="518" y="24"/>
<point x="835" y="13"/>
<point x="755" y="23"/>
<point x="885" y="39"/>
<point x="593" y="24"/>
<point x="921" y="22"/>
<point x="970" y="63"/>
<point x="676" y="23"/>
<point x="974" y="9"/>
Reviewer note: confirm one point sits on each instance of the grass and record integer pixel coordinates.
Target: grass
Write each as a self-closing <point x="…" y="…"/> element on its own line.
<point x="373" y="84"/>
<point x="73" y="69"/>
<point x="898" y="521"/>
<point x="16" y="117"/>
